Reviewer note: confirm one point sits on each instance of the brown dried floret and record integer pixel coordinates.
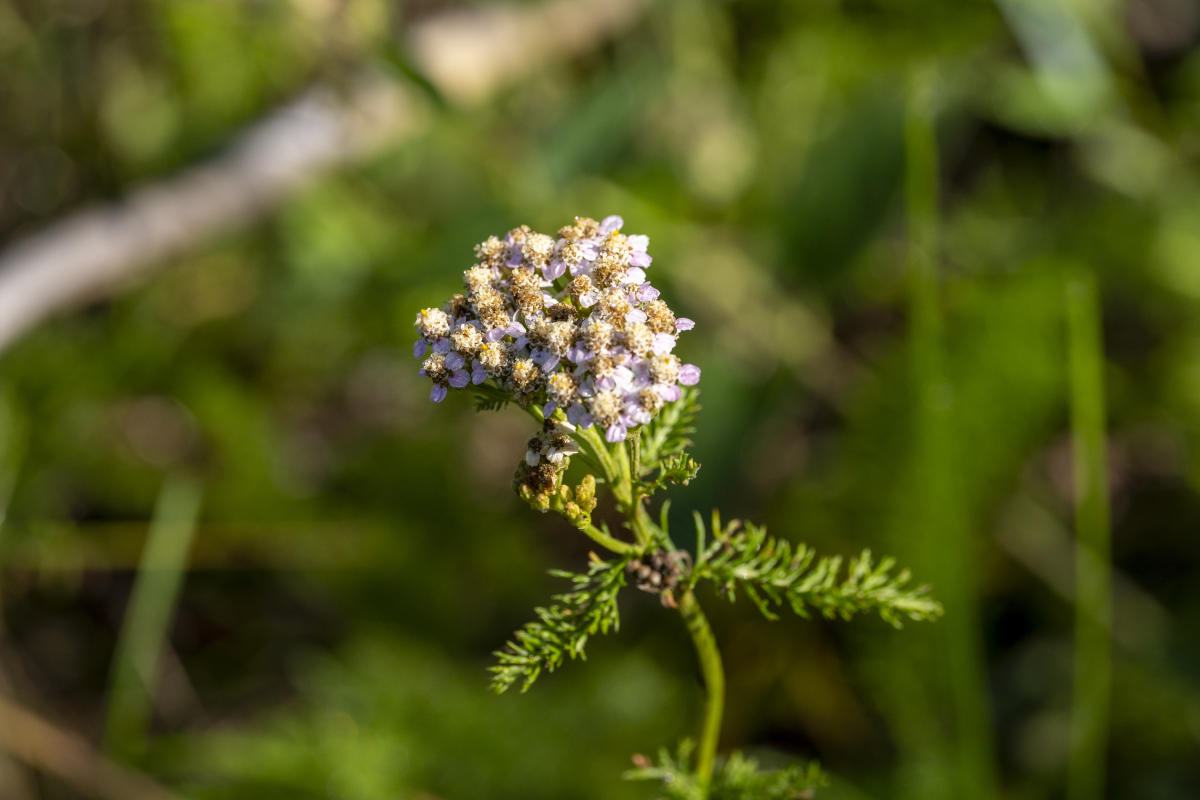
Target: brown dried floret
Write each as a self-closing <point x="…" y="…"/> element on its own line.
<point x="659" y="317"/>
<point x="491" y="251"/>
<point x="524" y="374"/>
<point x="560" y="312"/>
<point x="537" y="249"/>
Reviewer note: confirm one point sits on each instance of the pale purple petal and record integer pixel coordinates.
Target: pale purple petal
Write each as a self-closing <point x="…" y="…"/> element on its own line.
<point x="578" y="353"/>
<point x="638" y="416"/>
<point x="419" y="348"/>
<point x="684" y="324"/>
<point x="639" y="241"/>
<point x="615" y="433"/>
<point x="689" y="374"/>
<point x="607" y="226"/>
<point x="442" y="345"/>
<point x="437" y="394"/>
<point x="459" y="378"/>
<point x="554" y="270"/>
<point x="550" y="364"/>
<point x="663" y="344"/>
<point x="588" y="299"/>
<point x="635" y="275"/>
<point x="548" y="409"/>
<point x="514" y="256"/>
<point x="478" y="374"/>
<point x="669" y="393"/>
<point x="640" y="258"/>
<point x="646" y="293"/>
<point x="588" y="249"/>
<point x="494" y="335"/>
<point x="635" y="315"/>
<point x="578" y="417"/>
<point x="514" y="329"/>
<point x="455" y="361"/>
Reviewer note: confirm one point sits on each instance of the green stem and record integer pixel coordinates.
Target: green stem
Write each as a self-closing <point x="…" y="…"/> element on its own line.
<point x="714" y="684"/>
<point x="1093" y="595"/>
<point x="629" y="498"/>
<point x="644" y="529"/>
<point x="623" y="488"/>
<point x="589" y="438"/>
<point x="610" y="542"/>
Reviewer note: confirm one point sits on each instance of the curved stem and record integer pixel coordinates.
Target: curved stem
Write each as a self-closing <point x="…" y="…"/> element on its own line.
<point x="590" y="438"/>
<point x="643" y="527"/>
<point x="714" y="684"/>
<point x="610" y="542"/>
<point x="623" y="487"/>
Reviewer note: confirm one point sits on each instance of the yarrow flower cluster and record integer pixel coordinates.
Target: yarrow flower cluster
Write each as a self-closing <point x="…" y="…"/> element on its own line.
<point x="567" y="322"/>
<point x="569" y="327"/>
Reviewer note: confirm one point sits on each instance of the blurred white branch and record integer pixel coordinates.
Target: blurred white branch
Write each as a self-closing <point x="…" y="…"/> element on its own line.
<point x="467" y="55"/>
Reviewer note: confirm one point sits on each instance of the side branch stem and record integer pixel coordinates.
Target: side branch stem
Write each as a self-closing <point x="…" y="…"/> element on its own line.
<point x="589" y="437"/>
<point x="610" y="542"/>
<point x="714" y="684"/>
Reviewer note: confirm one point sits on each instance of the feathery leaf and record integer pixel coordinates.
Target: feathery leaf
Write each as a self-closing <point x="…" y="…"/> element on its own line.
<point x="562" y="629"/>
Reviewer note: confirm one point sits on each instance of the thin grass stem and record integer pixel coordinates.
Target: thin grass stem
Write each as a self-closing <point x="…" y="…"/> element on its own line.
<point x="1093" y="593"/>
<point x="941" y="515"/>
<point x="148" y="616"/>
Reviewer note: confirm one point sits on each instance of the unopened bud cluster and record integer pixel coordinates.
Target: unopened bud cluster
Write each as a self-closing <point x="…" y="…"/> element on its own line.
<point x="566" y="321"/>
<point x="547" y="457"/>
<point x="544" y="490"/>
<point x="659" y="572"/>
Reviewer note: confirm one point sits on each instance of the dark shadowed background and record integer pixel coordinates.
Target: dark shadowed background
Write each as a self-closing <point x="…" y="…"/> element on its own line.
<point x="208" y="389"/>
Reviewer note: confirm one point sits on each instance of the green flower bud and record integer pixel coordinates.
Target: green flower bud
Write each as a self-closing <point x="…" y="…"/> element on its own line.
<point x="585" y="493"/>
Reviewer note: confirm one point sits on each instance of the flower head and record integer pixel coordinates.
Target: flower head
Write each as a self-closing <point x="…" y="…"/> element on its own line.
<point x="565" y="322"/>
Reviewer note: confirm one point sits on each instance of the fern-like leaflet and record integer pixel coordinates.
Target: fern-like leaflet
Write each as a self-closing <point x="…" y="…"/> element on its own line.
<point x="667" y="434"/>
<point x="770" y="571"/>
<point x="737" y="778"/>
<point x="562" y="629"/>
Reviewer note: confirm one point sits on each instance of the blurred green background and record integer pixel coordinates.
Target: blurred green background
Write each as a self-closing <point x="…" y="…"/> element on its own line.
<point x="328" y="559"/>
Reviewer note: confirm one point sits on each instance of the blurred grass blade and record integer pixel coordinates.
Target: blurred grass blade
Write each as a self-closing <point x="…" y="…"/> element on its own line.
<point x="1093" y="602"/>
<point x="396" y="56"/>
<point x="12" y="449"/>
<point x="14" y="782"/>
<point x="942" y="520"/>
<point x="148" y="615"/>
